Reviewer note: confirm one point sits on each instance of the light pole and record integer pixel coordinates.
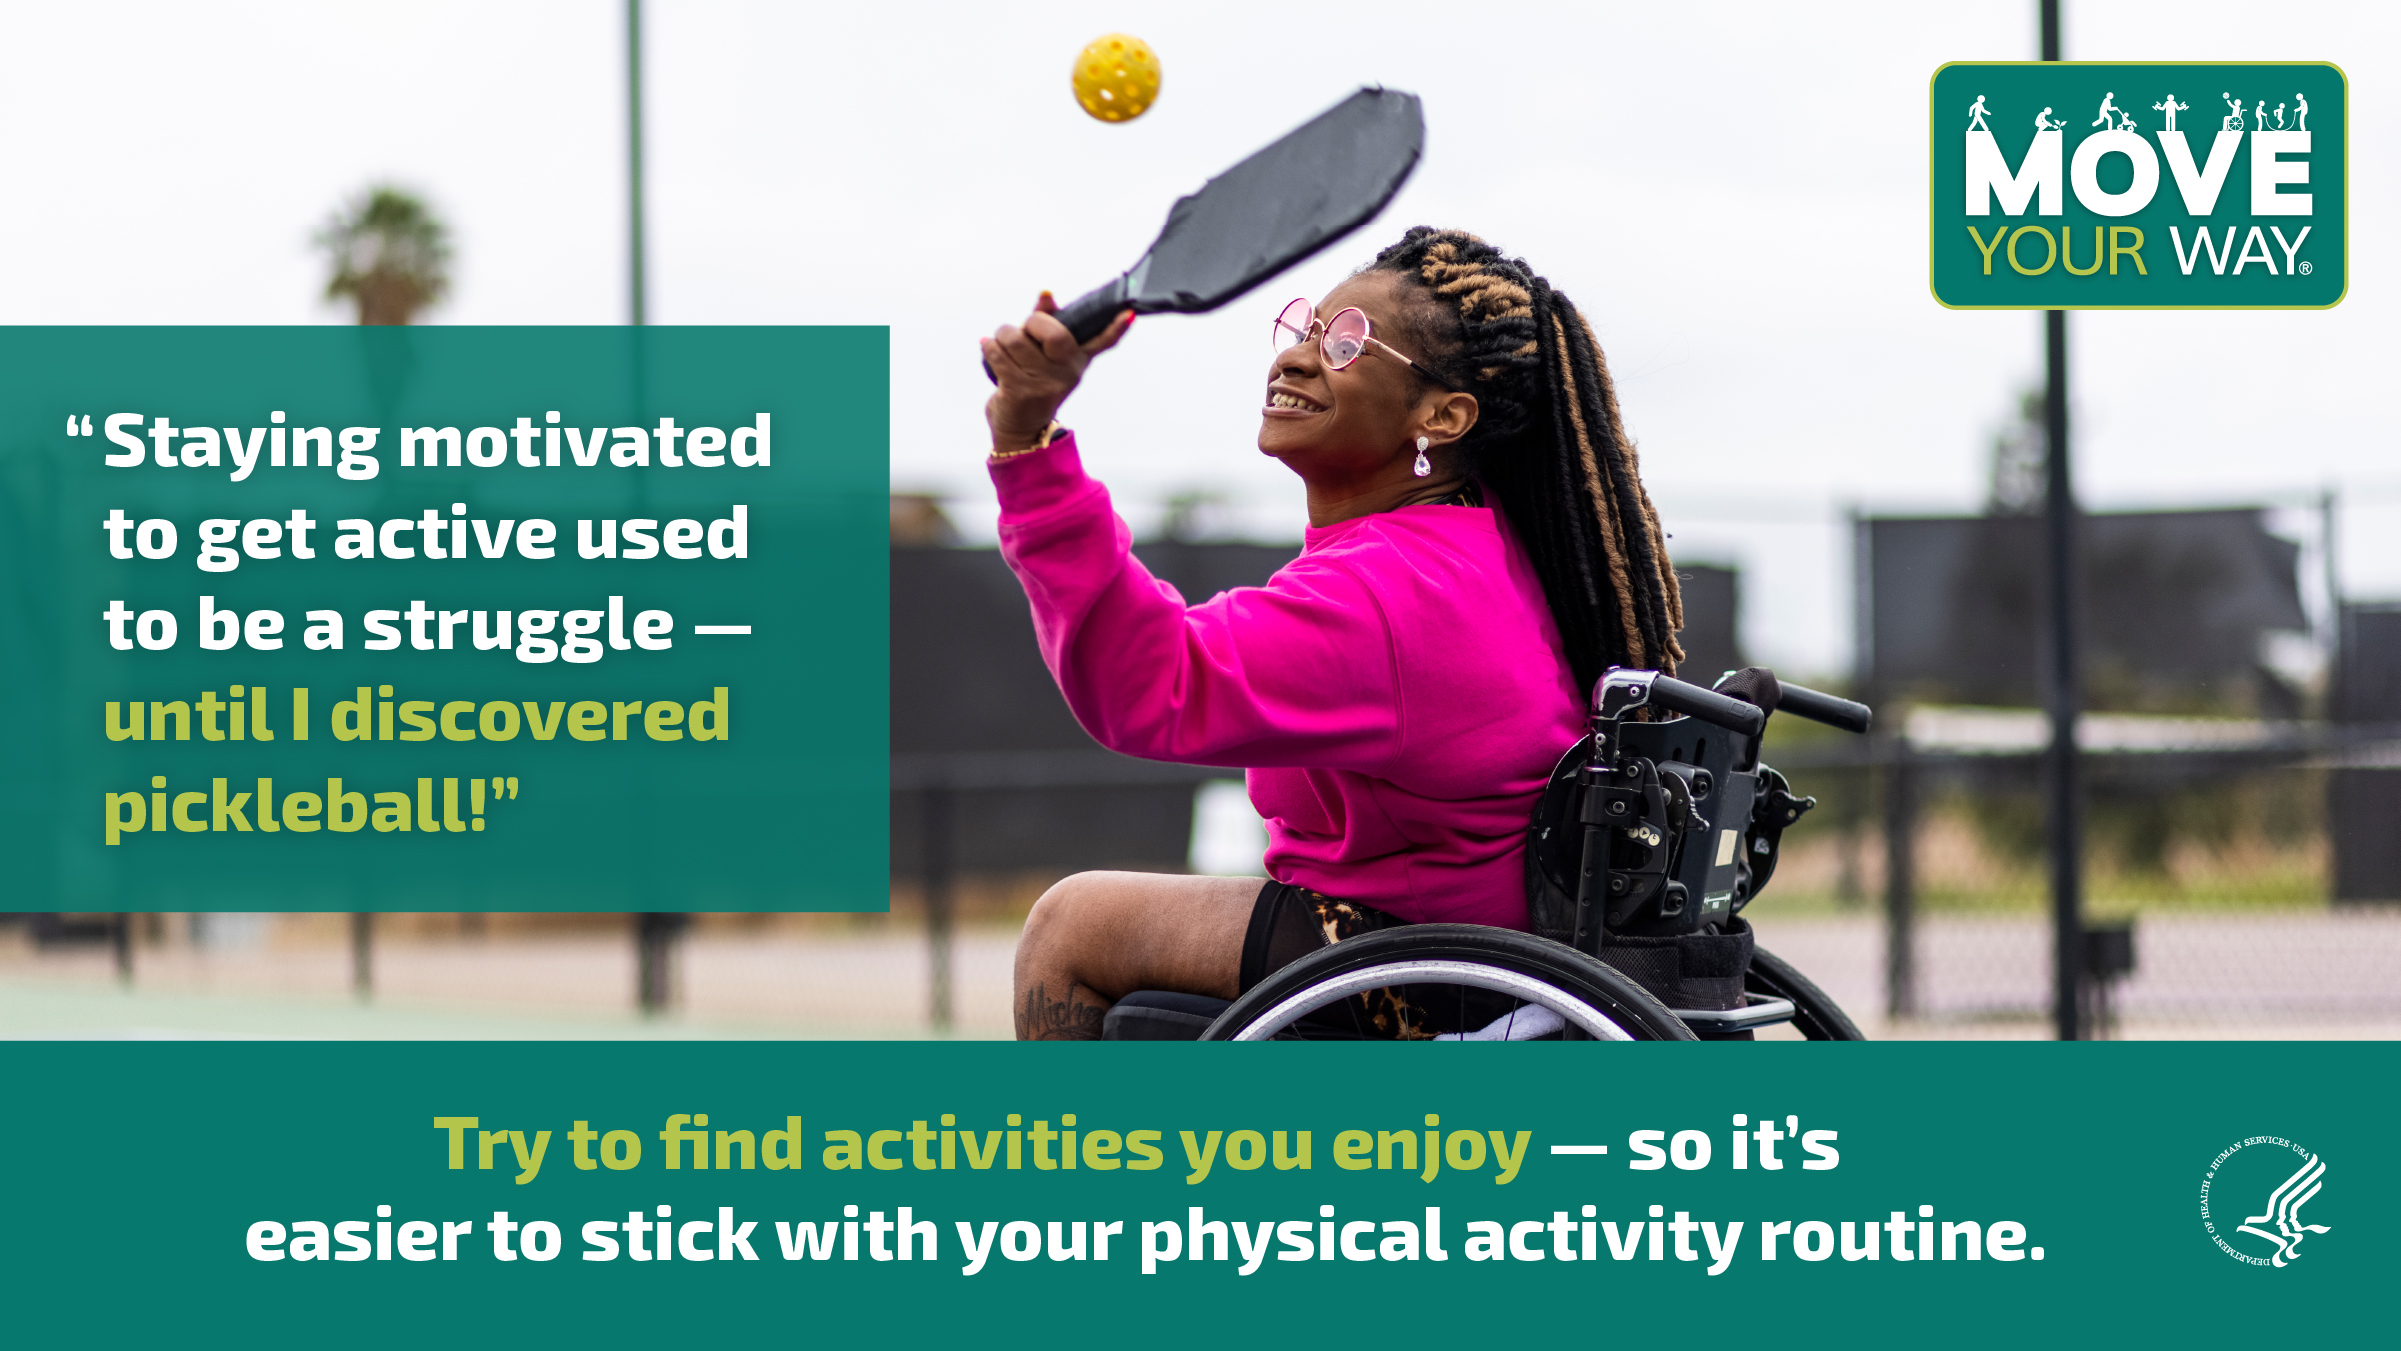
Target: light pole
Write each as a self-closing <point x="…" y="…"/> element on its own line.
<point x="2063" y="693"/>
<point x="654" y="930"/>
<point x="633" y="148"/>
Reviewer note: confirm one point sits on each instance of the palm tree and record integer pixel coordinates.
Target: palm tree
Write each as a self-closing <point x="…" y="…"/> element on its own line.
<point x="390" y="254"/>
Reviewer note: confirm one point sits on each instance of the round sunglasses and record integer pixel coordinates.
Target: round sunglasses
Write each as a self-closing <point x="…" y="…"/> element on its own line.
<point x="1341" y="339"/>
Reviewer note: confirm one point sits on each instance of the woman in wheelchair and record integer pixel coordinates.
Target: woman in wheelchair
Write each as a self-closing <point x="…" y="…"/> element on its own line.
<point x="1480" y="552"/>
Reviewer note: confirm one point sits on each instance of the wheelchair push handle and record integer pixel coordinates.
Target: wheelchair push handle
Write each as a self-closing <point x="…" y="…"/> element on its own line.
<point x="1622" y="690"/>
<point x="1677" y="696"/>
<point x="1825" y="708"/>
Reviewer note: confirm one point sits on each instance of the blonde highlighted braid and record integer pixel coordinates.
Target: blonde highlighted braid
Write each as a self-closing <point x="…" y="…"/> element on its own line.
<point x="1548" y="446"/>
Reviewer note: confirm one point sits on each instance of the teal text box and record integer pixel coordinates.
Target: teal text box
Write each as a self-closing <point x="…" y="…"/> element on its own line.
<point x="563" y="771"/>
<point x="148" y="1166"/>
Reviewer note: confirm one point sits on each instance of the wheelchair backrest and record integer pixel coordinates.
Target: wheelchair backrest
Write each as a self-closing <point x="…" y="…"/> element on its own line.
<point x="1675" y="881"/>
<point x="1685" y="821"/>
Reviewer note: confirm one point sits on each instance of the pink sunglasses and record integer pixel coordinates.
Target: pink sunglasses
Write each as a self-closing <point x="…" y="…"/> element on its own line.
<point x="1341" y="339"/>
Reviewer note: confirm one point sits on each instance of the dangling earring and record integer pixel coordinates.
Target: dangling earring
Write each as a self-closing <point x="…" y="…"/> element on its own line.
<point x="1423" y="466"/>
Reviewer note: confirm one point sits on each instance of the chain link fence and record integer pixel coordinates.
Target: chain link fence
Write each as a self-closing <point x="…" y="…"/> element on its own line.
<point x="1917" y="894"/>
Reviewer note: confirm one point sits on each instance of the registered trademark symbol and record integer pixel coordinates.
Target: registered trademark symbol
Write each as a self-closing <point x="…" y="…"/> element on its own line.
<point x="2305" y="269"/>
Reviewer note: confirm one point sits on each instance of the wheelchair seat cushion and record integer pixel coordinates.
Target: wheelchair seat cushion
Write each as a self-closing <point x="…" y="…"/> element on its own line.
<point x="1161" y="1015"/>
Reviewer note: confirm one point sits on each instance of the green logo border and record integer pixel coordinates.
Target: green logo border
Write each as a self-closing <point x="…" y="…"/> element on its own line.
<point x="1931" y="223"/>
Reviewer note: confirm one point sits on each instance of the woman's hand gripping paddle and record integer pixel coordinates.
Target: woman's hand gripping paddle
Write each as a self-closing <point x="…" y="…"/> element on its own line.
<point x="1323" y="180"/>
<point x="1034" y="369"/>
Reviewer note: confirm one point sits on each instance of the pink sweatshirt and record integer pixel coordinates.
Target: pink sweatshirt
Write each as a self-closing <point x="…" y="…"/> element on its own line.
<point x="1397" y="692"/>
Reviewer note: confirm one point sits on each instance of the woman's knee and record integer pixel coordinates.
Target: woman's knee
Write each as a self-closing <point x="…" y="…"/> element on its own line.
<point x="1112" y="932"/>
<point x="1073" y="906"/>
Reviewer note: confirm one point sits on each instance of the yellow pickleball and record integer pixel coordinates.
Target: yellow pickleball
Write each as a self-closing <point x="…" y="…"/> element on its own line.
<point x="1117" y="78"/>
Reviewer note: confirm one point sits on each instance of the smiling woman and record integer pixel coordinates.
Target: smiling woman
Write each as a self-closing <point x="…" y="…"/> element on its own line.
<point x="1480" y="550"/>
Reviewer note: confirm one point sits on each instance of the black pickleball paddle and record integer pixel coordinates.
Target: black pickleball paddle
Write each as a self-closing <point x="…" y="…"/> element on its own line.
<point x="1322" y="180"/>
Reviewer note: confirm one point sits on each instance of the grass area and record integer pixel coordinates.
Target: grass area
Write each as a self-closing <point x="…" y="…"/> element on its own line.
<point x="50" y="1009"/>
<point x="53" y="1009"/>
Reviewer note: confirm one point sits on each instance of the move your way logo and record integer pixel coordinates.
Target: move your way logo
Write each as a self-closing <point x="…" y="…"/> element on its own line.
<point x="2057" y="186"/>
<point x="2271" y="1238"/>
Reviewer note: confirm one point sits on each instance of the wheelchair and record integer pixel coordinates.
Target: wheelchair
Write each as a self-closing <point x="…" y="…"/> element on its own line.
<point x="1651" y="836"/>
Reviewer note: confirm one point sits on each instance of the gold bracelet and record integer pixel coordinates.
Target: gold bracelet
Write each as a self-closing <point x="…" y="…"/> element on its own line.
<point x="1050" y="434"/>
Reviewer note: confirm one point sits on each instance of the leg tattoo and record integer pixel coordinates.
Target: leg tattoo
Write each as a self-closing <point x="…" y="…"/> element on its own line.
<point x="1070" y="1019"/>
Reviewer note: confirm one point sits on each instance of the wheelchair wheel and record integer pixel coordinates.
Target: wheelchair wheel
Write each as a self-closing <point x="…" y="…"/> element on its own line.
<point x="1495" y="984"/>
<point x="1814" y="1016"/>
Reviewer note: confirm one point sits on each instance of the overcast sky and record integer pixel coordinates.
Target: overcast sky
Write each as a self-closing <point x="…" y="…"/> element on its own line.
<point x="1735" y="193"/>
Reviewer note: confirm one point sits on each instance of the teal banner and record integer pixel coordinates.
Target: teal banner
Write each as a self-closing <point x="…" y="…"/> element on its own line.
<point x="444" y="619"/>
<point x="1188" y="1195"/>
<point x="2139" y="185"/>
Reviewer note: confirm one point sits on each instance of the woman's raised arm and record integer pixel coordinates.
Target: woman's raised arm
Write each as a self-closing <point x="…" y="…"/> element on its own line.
<point x="1034" y="367"/>
<point x="1297" y="673"/>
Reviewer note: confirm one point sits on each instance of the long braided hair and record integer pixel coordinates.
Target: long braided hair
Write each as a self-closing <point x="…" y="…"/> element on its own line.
<point x="1548" y="445"/>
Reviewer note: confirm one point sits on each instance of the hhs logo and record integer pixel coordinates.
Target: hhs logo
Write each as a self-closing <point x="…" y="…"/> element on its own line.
<point x="2276" y="1181"/>
<point x="2068" y="189"/>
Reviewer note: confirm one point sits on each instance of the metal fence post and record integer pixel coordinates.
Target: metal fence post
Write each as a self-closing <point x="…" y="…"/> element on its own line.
<point x="935" y="868"/>
<point x="1900" y="881"/>
<point x="654" y="952"/>
<point x="1859" y="786"/>
<point x="362" y="954"/>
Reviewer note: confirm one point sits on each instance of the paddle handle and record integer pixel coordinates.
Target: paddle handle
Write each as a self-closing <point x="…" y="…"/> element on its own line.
<point x="1088" y="315"/>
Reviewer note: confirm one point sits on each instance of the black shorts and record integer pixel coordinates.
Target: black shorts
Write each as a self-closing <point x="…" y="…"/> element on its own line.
<point x="1289" y="922"/>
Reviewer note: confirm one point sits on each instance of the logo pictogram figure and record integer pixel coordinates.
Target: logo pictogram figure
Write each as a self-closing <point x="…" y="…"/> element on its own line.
<point x="2284" y="1212"/>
